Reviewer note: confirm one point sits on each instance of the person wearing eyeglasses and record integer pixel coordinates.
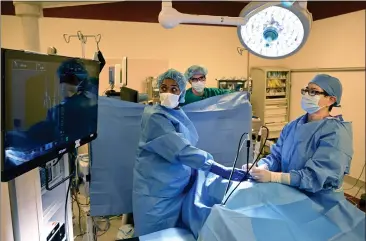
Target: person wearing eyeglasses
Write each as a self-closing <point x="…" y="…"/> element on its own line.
<point x="313" y="152"/>
<point x="196" y="75"/>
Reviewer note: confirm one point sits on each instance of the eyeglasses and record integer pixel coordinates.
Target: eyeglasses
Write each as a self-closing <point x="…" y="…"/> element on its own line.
<point x="313" y="92"/>
<point x="201" y="78"/>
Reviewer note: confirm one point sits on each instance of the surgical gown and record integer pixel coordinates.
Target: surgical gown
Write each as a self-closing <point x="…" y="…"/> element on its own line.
<point x="165" y="164"/>
<point x="317" y="154"/>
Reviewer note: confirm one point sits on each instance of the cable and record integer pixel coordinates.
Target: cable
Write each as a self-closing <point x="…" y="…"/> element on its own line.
<point x="358" y="191"/>
<point x="358" y="179"/>
<point x="351" y="201"/>
<point x="66" y="201"/>
<point x="79" y="209"/>
<point x="264" y="143"/>
<point x="240" y="145"/>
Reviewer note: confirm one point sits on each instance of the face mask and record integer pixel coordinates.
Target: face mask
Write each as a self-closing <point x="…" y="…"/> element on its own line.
<point x="169" y="100"/>
<point x="198" y="86"/>
<point x="68" y="90"/>
<point x="310" y="104"/>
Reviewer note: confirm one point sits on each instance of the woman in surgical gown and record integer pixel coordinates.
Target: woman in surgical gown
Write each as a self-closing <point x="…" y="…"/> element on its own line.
<point x="313" y="152"/>
<point x="167" y="159"/>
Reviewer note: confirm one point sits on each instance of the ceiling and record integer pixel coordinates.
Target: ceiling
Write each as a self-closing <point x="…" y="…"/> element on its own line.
<point x="148" y="11"/>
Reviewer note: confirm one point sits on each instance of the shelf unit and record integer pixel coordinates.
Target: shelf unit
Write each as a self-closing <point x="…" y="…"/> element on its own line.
<point x="53" y="202"/>
<point x="234" y="84"/>
<point x="271" y="88"/>
<point x="32" y="208"/>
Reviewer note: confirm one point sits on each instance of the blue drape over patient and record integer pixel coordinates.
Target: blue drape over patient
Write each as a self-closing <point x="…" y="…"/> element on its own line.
<point x="271" y="212"/>
<point x="114" y="151"/>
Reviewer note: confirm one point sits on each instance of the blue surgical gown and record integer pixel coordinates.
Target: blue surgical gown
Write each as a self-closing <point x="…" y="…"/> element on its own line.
<point x="166" y="160"/>
<point x="317" y="154"/>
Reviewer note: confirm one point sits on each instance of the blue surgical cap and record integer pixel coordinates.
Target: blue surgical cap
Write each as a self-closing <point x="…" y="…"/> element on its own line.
<point x="195" y="70"/>
<point x="72" y="71"/>
<point x="329" y="84"/>
<point x="179" y="78"/>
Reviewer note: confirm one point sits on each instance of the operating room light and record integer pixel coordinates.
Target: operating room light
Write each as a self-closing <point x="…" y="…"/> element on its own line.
<point x="269" y="30"/>
<point x="274" y="32"/>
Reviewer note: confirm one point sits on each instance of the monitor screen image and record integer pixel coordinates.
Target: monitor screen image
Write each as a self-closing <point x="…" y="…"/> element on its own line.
<point x="49" y="106"/>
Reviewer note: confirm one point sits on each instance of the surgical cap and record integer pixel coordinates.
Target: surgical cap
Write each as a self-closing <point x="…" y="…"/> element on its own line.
<point x="179" y="78"/>
<point x="72" y="71"/>
<point x="195" y="70"/>
<point x="329" y="84"/>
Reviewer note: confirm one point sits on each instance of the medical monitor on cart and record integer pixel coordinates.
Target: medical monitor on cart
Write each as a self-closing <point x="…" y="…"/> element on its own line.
<point x="49" y="106"/>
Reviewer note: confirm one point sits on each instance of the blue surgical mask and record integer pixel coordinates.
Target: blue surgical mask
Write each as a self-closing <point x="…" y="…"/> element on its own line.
<point x="310" y="104"/>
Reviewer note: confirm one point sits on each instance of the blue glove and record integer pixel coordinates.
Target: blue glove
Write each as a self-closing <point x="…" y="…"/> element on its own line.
<point x="224" y="172"/>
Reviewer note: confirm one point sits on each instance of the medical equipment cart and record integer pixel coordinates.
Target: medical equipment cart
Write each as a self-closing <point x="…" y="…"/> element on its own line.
<point x="271" y="88"/>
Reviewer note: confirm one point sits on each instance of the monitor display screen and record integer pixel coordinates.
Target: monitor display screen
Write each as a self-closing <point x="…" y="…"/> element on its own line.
<point x="49" y="106"/>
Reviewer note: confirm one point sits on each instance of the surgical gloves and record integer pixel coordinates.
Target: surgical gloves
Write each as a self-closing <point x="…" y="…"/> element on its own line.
<point x="264" y="175"/>
<point x="224" y="172"/>
<point x="261" y="175"/>
<point x="246" y="167"/>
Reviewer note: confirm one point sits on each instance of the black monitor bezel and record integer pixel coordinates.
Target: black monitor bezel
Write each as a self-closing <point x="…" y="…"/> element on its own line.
<point x="8" y="175"/>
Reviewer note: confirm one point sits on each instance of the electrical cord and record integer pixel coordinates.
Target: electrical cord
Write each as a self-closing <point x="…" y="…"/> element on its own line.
<point x="358" y="191"/>
<point x="358" y="179"/>
<point x="66" y="200"/>
<point x="240" y="146"/>
<point x="79" y="211"/>
<point x="254" y="163"/>
<point x="67" y="197"/>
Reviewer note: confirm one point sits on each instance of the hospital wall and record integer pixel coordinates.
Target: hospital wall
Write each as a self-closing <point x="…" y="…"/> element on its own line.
<point x="181" y="46"/>
<point x="336" y="42"/>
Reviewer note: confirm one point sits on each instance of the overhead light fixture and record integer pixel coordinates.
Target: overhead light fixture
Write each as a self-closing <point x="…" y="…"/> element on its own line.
<point x="269" y="30"/>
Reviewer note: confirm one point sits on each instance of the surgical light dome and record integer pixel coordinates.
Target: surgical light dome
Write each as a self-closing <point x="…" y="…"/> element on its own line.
<point x="271" y="30"/>
<point x="276" y="31"/>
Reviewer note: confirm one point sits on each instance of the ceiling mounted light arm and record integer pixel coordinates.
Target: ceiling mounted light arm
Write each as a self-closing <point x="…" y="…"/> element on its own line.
<point x="169" y="17"/>
<point x="270" y="30"/>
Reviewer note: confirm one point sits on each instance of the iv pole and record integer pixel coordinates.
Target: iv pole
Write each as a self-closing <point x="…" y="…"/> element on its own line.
<point x="83" y="39"/>
<point x="89" y="235"/>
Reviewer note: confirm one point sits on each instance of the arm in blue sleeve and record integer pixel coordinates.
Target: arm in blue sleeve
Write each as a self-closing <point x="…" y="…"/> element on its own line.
<point x="273" y="160"/>
<point x="326" y="168"/>
<point x="164" y="140"/>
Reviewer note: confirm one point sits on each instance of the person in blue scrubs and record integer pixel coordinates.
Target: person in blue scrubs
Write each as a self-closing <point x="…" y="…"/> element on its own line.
<point x="313" y="152"/>
<point x="167" y="159"/>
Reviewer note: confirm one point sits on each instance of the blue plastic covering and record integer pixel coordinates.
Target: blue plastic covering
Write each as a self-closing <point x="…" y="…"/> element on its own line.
<point x="220" y="121"/>
<point x="112" y="156"/>
<point x="171" y="234"/>
<point x="270" y="212"/>
<point x="207" y="191"/>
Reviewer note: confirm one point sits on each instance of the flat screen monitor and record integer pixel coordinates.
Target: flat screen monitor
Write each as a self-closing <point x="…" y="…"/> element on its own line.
<point x="49" y="106"/>
<point x="128" y="94"/>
